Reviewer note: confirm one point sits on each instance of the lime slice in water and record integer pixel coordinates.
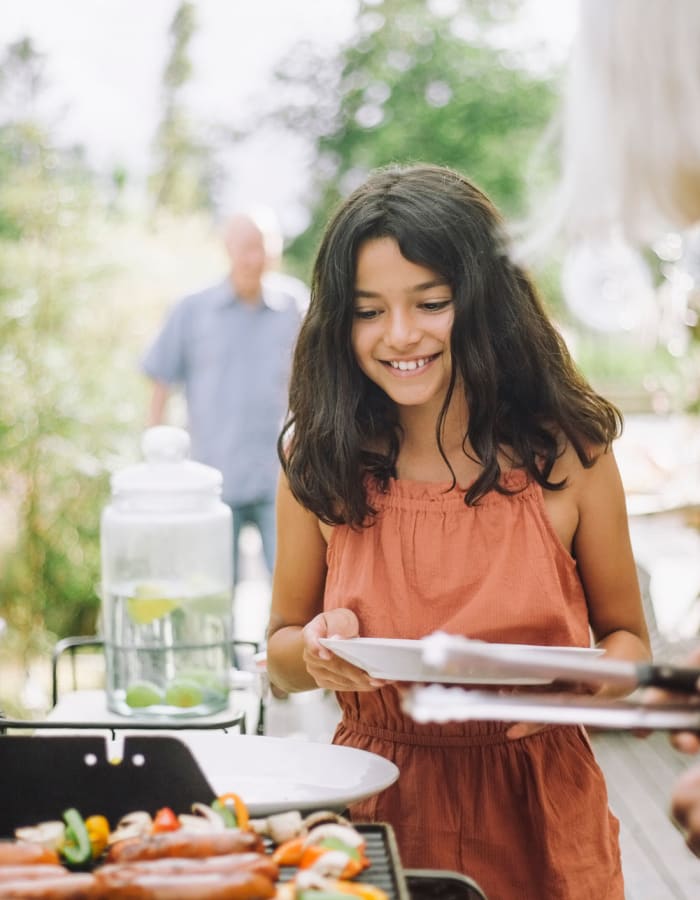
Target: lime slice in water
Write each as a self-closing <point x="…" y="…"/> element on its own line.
<point x="149" y="604"/>
<point x="183" y="692"/>
<point x="143" y="693"/>
<point x="220" y="604"/>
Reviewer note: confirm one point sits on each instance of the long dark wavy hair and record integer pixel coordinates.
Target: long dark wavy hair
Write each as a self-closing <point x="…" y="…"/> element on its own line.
<point x="521" y="386"/>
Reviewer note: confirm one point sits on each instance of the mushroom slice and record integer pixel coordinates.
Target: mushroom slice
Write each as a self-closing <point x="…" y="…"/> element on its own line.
<point x="325" y="817"/>
<point x="138" y="819"/>
<point x="134" y="824"/>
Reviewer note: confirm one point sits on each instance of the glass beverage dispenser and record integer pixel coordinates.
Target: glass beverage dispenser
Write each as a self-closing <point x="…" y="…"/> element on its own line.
<point x="167" y="584"/>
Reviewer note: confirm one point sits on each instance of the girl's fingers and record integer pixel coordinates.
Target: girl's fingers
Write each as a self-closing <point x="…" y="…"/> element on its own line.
<point x="523" y="729"/>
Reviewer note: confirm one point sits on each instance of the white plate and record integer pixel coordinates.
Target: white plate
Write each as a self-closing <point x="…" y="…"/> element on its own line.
<point x="396" y="659"/>
<point x="277" y="774"/>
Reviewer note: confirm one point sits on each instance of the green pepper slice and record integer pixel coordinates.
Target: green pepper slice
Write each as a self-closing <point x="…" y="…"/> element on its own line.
<point x="76" y="849"/>
<point x="226" y="813"/>
<point x="334" y="843"/>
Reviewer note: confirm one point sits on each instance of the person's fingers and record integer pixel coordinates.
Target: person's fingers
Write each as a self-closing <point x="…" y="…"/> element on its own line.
<point x="685" y="807"/>
<point x="523" y="729"/>
<point x="686" y="741"/>
<point x="338" y="674"/>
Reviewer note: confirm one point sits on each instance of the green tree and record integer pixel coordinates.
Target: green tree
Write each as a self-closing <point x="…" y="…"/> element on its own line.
<point x="185" y="172"/>
<point x="55" y="421"/>
<point x="419" y="82"/>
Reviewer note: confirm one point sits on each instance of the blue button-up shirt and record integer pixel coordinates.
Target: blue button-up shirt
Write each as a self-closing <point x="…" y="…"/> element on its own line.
<point x="233" y="360"/>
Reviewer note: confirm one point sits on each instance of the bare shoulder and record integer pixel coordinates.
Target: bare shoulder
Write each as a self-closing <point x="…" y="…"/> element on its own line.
<point x="589" y="490"/>
<point x="601" y="468"/>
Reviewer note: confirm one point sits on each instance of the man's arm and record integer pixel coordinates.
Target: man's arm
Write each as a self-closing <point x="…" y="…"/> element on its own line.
<point x="159" y="400"/>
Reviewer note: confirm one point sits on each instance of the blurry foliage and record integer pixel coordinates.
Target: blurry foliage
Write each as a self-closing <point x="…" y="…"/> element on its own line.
<point x="56" y="384"/>
<point x="421" y="81"/>
<point x="185" y="176"/>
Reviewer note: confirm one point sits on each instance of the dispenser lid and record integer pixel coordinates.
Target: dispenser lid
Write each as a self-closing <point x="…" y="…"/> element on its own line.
<point x="167" y="467"/>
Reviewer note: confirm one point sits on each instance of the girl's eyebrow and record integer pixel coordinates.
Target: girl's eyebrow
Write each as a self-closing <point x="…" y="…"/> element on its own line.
<point x="416" y="289"/>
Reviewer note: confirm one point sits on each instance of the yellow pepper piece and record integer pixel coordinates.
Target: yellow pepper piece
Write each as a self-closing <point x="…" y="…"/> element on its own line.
<point x="240" y="810"/>
<point x="98" y="832"/>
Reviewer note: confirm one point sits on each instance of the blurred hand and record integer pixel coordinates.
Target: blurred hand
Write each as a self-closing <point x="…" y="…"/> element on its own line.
<point x="523" y="729"/>
<point x="328" y="670"/>
<point x="685" y="741"/>
<point x="685" y="807"/>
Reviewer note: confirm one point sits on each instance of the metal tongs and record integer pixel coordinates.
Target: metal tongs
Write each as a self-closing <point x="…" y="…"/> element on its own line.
<point x="450" y="655"/>
<point x="438" y="703"/>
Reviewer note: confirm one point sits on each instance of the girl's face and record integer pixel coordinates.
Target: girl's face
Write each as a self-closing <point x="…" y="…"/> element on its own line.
<point x="402" y="324"/>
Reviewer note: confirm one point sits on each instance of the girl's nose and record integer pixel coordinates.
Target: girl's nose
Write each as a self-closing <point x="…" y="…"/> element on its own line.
<point x="401" y="330"/>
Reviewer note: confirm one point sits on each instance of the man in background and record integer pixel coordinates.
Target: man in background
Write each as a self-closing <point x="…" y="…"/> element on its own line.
<point x="230" y="347"/>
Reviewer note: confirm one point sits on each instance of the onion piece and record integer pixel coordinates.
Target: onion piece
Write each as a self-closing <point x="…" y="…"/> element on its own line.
<point x="285" y="826"/>
<point x="48" y="834"/>
<point x="347" y="835"/>
<point x="204" y="819"/>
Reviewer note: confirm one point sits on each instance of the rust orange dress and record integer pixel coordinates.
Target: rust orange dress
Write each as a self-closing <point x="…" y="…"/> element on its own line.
<point x="527" y="819"/>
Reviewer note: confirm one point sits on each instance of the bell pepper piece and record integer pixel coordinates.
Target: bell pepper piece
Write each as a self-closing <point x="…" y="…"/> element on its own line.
<point x="356" y="861"/>
<point x="98" y="832"/>
<point x="226" y="813"/>
<point x="234" y="804"/>
<point x="76" y="848"/>
<point x="310" y="855"/>
<point x="290" y="852"/>
<point x="165" y="820"/>
<point x="334" y="843"/>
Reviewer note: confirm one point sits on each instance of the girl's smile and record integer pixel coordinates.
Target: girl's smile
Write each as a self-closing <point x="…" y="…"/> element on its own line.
<point x="403" y="367"/>
<point x="403" y="320"/>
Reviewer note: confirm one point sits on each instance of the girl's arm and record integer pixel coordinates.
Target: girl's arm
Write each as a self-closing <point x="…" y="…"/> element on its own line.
<point x="606" y="565"/>
<point x="603" y="551"/>
<point x="295" y="659"/>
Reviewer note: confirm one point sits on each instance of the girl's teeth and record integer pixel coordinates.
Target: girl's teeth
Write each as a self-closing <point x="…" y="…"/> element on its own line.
<point x="406" y="366"/>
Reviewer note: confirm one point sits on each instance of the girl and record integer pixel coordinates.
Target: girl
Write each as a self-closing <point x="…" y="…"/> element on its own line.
<point x="447" y="467"/>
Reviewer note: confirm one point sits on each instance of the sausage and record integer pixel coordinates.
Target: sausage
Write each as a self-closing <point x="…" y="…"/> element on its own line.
<point x="68" y="887"/>
<point x="187" y="844"/>
<point x="259" y="863"/>
<point x="22" y="853"/>
<point x="14" y="873"/>
<point x="126" y="883"/>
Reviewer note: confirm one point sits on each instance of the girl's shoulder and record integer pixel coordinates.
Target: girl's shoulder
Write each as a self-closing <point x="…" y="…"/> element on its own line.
<point x="576" y="472"/>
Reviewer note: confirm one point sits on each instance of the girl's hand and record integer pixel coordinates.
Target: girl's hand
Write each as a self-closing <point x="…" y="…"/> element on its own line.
<point x="328" y="670"/>
<point x="523" y="729"/>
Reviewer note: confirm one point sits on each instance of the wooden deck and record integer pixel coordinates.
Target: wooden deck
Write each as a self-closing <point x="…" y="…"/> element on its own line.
<point x="640" y="774"/>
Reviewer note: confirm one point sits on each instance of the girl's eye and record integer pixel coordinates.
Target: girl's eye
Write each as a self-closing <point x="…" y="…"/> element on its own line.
<point x="435" y="305"/>
<point x="366" y="313"/>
